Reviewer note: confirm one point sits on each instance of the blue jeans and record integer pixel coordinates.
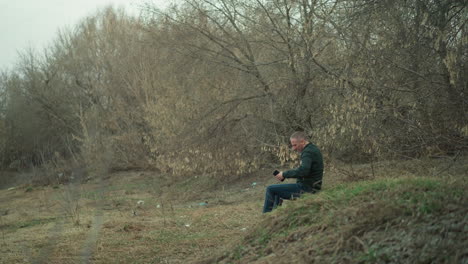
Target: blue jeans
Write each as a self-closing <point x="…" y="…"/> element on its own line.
<point x="276" y="192"/>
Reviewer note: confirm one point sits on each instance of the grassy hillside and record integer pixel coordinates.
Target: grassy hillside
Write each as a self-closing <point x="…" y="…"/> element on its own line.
<point x="402" y="212"/>
<point x="404" y="220"/>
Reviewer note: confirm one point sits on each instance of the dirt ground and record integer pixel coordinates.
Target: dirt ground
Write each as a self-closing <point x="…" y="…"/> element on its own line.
<point x="129" y="217"/>
<point x="141" y="217"/>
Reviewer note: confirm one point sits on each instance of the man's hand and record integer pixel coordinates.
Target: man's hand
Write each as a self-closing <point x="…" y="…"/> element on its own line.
<point x="280" y="176"/>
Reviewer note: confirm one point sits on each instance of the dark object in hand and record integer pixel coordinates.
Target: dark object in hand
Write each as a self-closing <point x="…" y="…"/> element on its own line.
<point x="276" y="172"/>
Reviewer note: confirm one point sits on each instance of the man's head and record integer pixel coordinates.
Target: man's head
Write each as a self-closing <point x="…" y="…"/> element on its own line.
<point x="298" y="141"/>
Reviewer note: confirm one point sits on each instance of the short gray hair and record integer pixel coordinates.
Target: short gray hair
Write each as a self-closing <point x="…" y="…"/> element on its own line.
<point x="299" y="135"/>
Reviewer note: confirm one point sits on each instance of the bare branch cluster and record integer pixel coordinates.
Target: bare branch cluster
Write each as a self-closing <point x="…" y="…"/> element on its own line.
<point x="216" y="86"/>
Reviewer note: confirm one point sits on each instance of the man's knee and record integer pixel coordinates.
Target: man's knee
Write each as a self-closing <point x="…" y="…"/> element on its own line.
<point x="270" y="189"/>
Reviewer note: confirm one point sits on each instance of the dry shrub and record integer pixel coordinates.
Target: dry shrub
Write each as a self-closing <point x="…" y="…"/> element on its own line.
<point x="95" y="147"/>
<point x="8" y="178"/>
<point x="70" y="198"/>
<point x="351" y="132"/>
<point x="284" y="154"/>
<point x="229" y="161"/>
<point x="130" y="90"/>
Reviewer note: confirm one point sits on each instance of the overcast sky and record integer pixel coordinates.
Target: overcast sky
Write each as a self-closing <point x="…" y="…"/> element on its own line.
<point x="34" y="24"/>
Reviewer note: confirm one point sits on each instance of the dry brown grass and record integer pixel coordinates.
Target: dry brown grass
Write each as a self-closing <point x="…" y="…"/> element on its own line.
<point x="169" y="227"/>
<point x="172" y="227"/>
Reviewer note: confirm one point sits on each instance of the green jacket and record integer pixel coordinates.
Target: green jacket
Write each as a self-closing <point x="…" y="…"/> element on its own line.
<point x="310" y="172"/>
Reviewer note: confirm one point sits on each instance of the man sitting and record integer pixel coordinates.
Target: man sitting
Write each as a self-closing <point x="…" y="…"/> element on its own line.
<point x="308" y="175"/>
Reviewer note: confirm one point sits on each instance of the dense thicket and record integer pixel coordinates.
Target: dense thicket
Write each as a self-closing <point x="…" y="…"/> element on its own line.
<point x="217" y="86"/>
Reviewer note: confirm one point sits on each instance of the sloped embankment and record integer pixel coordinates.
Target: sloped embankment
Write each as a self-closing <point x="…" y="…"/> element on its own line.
<point x="405" y="220"/>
